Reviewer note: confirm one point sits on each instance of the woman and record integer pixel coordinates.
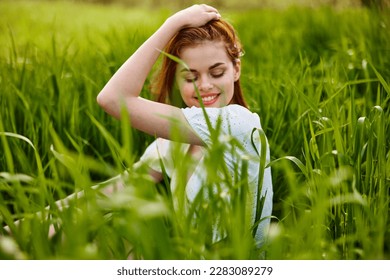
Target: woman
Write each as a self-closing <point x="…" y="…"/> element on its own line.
<point x="200" y="71"/>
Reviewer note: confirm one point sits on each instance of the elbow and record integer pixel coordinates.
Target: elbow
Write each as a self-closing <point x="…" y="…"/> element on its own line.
<point x="108" y="103"/>
<point x="101" y="100"/>
<point x="104" y="101"/>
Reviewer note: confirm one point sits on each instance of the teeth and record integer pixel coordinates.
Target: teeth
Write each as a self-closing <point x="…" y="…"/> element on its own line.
<point x="209" y="98"/>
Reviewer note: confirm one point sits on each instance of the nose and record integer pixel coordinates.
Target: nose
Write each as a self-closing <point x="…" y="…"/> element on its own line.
<point x="205" y="84"/>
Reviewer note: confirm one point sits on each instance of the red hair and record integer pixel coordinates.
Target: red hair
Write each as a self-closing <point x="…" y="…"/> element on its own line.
<point x="216" y="30"/>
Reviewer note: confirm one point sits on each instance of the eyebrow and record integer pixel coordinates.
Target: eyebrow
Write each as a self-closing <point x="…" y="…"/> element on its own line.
<point x="210" y="68"/>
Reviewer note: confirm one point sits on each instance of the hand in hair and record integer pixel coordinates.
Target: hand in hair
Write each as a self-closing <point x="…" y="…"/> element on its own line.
<point x="195" y="16"/>
<point x="125" y="86"/>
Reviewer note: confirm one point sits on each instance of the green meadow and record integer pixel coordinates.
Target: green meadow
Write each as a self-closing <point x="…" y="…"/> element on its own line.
<point x="319" y="78"/>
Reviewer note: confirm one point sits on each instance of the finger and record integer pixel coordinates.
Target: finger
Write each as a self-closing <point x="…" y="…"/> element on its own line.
<point x="213" y="13"/>
<point x="210" y="9"/>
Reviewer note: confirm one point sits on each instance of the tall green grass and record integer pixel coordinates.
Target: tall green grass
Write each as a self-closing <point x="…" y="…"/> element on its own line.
<point x="319" y="80"/>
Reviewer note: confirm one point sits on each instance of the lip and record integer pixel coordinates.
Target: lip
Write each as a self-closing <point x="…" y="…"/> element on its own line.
<point x="209" y="99"/>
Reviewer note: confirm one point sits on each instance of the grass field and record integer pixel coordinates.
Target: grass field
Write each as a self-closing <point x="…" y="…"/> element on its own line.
<point x="318" y="78"/>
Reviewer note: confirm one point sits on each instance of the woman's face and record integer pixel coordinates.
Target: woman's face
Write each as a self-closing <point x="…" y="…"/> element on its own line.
<point x="212" y="71"/>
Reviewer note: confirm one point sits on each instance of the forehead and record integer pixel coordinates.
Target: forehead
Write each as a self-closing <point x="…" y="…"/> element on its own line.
<point x="204" y="54"/>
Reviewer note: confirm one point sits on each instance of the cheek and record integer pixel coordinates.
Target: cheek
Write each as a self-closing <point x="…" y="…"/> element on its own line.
<point x="186" y="89"/>
<point x="226" y="84"/>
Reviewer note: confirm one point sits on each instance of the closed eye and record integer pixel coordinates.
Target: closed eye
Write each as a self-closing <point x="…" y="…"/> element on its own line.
<point x="190" y="77"/>
<point x="190" y="80"/>
<point x="217" y="74"/>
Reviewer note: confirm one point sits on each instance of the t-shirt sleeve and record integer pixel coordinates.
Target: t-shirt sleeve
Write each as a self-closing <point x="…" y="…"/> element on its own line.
<point x="233" y="120"/>
<point x="153" y="154"/>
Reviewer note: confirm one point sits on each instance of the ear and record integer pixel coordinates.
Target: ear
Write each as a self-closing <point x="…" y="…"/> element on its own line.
<point x="237" y="69"/>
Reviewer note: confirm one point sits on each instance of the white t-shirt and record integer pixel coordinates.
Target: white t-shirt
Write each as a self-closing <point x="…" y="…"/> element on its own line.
<point x="233" y="122"/>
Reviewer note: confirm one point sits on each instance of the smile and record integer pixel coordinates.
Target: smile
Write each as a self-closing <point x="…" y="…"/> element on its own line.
<point x="209" y="99"/>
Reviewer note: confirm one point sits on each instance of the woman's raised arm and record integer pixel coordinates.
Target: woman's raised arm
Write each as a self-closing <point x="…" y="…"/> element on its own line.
<point x="126" y="84"/>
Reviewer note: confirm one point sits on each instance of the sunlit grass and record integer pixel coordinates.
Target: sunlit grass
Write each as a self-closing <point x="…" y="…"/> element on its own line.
<point x="319" y="80"/>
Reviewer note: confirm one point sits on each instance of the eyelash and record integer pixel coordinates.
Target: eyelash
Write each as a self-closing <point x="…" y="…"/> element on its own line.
<point x="218" y="75"/>
<point x="215" y="76"/>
